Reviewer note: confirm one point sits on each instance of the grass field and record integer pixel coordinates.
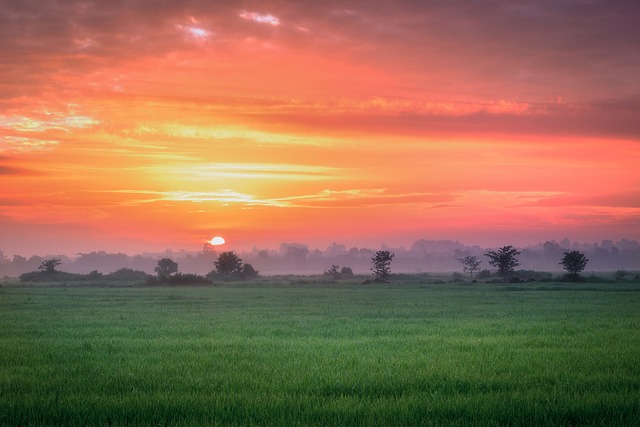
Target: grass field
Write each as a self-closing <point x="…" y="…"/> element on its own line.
<point x="345" y="354"/>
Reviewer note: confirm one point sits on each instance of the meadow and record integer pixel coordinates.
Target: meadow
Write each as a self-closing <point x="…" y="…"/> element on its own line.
<point x="271" y="354"/>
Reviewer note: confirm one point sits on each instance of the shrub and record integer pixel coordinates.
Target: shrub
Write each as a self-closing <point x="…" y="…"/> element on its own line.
<point x="249" y="272"/>
<point x="126" y="275"/>
<point x="571" y="277"/>
<point x="334" y="272"/>
<point x="56" y="276"/>
<point x="532" y="274"/>
<point x="188" y="279"/>
<point x="346" y="272"/>
<point x="620" y="275"/>
<point x="483" y="274"/>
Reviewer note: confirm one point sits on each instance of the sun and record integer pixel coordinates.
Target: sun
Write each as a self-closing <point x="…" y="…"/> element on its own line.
<point x="217" y="241"/>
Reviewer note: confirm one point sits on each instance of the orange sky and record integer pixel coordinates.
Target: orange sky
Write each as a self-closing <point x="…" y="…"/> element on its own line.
<point x="144" y="125"/>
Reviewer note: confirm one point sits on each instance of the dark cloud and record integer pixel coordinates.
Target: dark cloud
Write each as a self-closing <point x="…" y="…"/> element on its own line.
<point x="530" y="51"/>
<point x="12" y="170"/>
<point x="8" y="170"/>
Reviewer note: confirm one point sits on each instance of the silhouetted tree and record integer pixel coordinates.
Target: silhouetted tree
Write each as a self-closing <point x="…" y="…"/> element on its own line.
<point x="470" y="264"/>
<point x="574" y="262"/>
<point x="166" y="267"/>
<point x="346" y="272"/>
<point x="49" y="265"/>
<point x="249" y="272"/>
<point x="504" y="260"/>
<point x="228" y="263"/>
<point x="334" y="272"/>
<point x="382" y="264"/>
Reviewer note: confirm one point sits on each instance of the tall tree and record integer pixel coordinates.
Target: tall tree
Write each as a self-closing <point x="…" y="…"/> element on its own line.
<point x="228" y="263"/>
<point x="574" y="262"/>
<point x="382" y="264"/>
<point x="49" y="265"/>
<point x="504" y="259"/>
<point x="470" y="264"/>
<point x="166" y="267"/>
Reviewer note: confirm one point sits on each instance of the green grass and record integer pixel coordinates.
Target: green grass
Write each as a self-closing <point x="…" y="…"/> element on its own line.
<point x="397" y="354"/>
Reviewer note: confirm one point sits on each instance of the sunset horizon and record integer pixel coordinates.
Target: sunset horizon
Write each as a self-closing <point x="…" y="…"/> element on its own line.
<point x="145" y="126"/>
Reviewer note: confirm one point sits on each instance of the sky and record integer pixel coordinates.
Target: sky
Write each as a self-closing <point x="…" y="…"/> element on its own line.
<point x="140" y="125"/>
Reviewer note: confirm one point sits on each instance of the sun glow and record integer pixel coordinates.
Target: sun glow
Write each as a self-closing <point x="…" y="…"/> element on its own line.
<point x="216" y="241"/>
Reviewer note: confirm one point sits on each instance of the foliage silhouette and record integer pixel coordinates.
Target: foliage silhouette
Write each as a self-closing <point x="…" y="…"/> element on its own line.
<point x="574" y="262"/>
<point x="382" y="265"/>
<point x="249" y="272"/>
<point x="504" y="260"/>
<point x="166" y="267"/>
<point x="470" y="264"/>
<point x="228" y="263"/>
<point x="49" y="266"/>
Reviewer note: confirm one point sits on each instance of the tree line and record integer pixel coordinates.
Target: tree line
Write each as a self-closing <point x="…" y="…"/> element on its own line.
<point x="505" y="260"/>
<point x="437" y="256"/>
<point x="229" y="265"/>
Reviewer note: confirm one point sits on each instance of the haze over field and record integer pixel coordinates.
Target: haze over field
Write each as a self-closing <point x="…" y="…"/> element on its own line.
<point x="145" y="125"/>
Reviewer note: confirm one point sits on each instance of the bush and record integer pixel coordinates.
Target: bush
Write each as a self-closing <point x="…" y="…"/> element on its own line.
<point x="188" y="279"/>
<point x="532" y="274"/>
<point x="249" y="272"/>
<point x="620" y="275"/>
<point x="126" y="275"/>
<point x="595" y="279"/>
<point x="572" y="277"/>
<point x="458" y="276"/>
<point x="333" y="272"/>
<point x="346" y="272"/>
<point x="483" y="274"/>
<point x="56" y="276"/>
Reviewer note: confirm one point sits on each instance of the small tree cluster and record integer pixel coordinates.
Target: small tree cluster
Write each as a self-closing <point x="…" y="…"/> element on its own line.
<point x="229" y="264"/>
<point x="339" y="273"/>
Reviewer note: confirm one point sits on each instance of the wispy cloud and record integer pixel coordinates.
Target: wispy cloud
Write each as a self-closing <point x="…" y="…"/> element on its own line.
<point x="260" y="18"/>
<point x="175" y="130"/>
<point x="247" y="171"/>
<point x="48" y="121"/>
<point x="21" y="144"/>
<point x="352" y="198"/>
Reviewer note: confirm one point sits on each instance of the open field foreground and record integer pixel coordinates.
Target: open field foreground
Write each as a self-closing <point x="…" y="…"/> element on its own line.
<point x="281" y="354"/>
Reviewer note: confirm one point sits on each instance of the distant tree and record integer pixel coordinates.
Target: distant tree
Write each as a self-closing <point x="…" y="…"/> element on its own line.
<point x="249" y="272"/>
<point x="95" y="274"/>
<point x="470" y="264"/>
<point x="574" y="262"/>
<point x="334" y="272"/>
<point x="382" y="264"/>
<point x="166" y="267"/>
<point x="346" y="272"/>
<point x="49" y="265"/>
<point x="228" y="263"/>
<point x="504" y="260"/>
